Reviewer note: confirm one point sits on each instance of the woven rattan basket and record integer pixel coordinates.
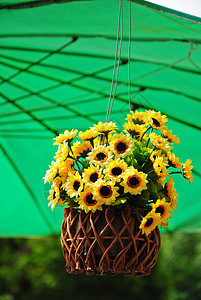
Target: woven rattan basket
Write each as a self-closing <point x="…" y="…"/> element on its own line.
<point x="108" y="240"/>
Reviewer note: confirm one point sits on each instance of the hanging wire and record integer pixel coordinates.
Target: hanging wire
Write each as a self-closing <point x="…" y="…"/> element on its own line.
<point x="129" y="58"/>
<point x="120" y="21"/>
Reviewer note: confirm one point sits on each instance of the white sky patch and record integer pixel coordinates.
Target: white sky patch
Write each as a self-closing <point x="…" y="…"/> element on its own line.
<point x="191" y="7"/>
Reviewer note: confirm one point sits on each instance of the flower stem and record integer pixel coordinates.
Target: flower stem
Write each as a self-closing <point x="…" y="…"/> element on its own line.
<point x="149" y="137"/>
<point x="145" y="132"/>
<point x="178" y="172"/>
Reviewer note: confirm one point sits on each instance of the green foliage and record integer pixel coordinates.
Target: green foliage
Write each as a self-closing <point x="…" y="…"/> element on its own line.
<point x="35" y="269"/>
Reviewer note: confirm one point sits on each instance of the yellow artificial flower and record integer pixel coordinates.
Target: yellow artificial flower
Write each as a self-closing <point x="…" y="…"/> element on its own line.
<point x="163" y="208"/>
<point x="100" y="155"/>
<point x="91" y="174"/>
<point x="168" y="135"/>
<point x="54" y="196"/>
<point x="149" y="223"/>
<point x="67" y="136"/>
<point x="104" y="127"/>
<point x="173" y="160"/>
<point x="66" y="168"/>
<point x="187" y="170"/>
<point x="155" y="119"/>
<point x="88" y="135"/>
<point x="73" y="185"/>
<point x="134" y="181"/>
<point x="135" y="130"/>
<point x="105" y="192"/>
<point x="62" y="152"/>
<point x="115" y="169"/>
<point x="88" y="202"/>
<point x="81" y="149"/>
<point x="158" y="153"/>
<point x="51" y="173"/>
<point x="121" y="144"/>
<point x="159" y="142"/>
<point x="158" y="165"/>
<point x="137" y="117"/>
<point x="162" y="176"/>
<point x="171" y="193"/>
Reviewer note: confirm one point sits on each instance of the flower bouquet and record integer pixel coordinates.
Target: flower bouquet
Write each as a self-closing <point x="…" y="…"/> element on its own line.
<point x="116" y="188"/>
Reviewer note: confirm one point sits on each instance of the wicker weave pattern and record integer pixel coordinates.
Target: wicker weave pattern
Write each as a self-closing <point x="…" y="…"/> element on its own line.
<point x="108" y="240"/>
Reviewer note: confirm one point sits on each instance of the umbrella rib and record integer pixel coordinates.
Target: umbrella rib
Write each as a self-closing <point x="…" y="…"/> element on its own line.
<point x="35" y="4"/>
<point x="90" y="90"/>
<point x="104" y="79"/>
<point x="123" y="59"/>
<point x="30" y="114"/>
<point x="41" y="59"/>
<point x="28" y="188"/>
<point x="135" y="39"/>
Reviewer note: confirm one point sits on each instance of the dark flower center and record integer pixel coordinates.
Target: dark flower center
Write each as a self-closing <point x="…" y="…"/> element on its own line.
<point x="116" y="171"/>
<point x="76" y="185"/>
<point x="155" y="122"/>
<point x="121" y="147"/>
<point x="93" y="177"/>
<point x="120" y="190"/>
<point x="89" y="200"/>
<point x="149" y="222"/>
<point x="133" y="181"/>
<point x="160" y="210"/>
<point x="105" y="191"/>
<point x="101" y="156"/>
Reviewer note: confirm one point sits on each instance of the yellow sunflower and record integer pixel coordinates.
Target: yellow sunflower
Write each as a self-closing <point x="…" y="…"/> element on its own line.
<point x="121" y="144"/>
<point x="135" y="130"/>
<point x="51" y="173"/>
<point x="137" y="117"/>
<point x="88" y="135"/>
<point x="168" y="135"/>
<point x="73" y="185"/>
<point x="62" y="152"/>
<point x="115" y="169"/>
<point x="105" y="127"/>
<point x="66" y="168"/>
<point x="158" y="153"/>
<point x="162" y="176"/>
<point x="67" y="136"/>
<point x="155" y="119"/>
<point x="163" y="208"/>
<point x="158" y="165"/>
<point x="187" y="170"/>
<point x="173" y="160"/>
<point x="81" y="149"/>
<point x="149" y="223"/>
<point x="105" y="192"/>
<point x="171" y="193"/>
<point x="134" y="181"/>
<point x="159" y="142"/>
<point x="91" y="174"/>
<point x="54" y="196"/>
<point x="88" y="202"/>
<point x="100" y="155"/>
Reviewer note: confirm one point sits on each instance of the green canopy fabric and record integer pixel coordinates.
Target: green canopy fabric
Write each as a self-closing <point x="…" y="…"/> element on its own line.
<point x="56" y="67"/>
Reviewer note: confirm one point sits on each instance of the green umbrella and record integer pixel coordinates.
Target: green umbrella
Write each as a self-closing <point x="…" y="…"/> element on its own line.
<point x="56" y="68"/>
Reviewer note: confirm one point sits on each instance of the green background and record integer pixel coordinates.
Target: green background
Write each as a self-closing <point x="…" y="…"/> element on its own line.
<point x="56" y="66"/>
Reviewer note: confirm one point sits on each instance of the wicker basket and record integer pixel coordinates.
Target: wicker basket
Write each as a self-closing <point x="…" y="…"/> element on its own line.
<point x="108" y="240"/>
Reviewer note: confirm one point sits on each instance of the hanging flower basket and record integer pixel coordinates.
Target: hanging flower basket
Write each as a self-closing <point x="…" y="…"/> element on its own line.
<point x="117" y="189"/>
<point x="108" y="240"/>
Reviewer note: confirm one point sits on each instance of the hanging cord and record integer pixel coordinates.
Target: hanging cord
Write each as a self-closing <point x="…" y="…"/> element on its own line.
<point x="129" y="58"/>
<point x="110" y="104"/>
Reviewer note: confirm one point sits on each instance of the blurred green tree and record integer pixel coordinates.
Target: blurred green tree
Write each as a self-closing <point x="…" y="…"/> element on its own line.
<point x="35" y="269"/>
